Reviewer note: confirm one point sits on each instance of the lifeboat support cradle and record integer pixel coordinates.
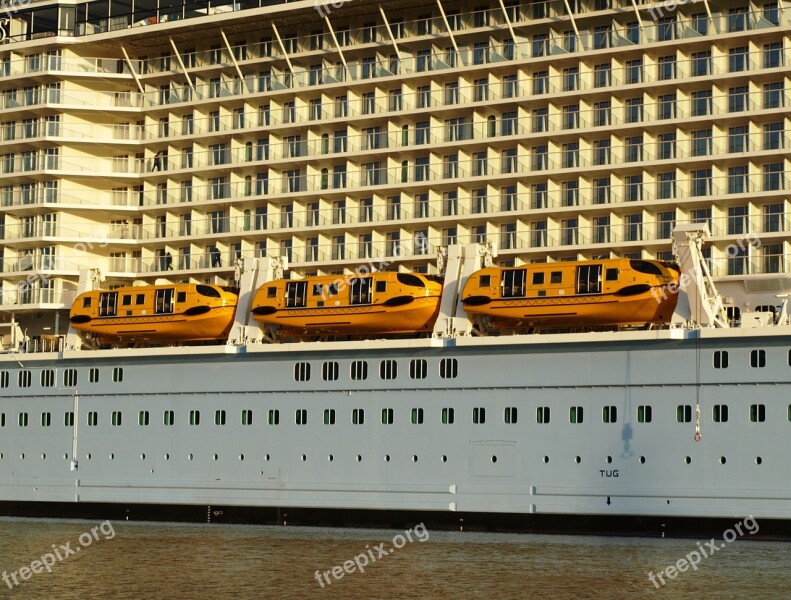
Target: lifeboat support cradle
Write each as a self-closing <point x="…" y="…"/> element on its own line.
<point x="251" y="273"/>
<point x="90" y="280"/>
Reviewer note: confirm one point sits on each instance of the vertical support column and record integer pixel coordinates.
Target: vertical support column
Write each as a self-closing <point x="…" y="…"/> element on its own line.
<point x="181" y="63"/>
<point x="132" y="70"/>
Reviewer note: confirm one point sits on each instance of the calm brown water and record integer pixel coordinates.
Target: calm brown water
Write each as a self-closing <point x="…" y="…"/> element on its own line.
<point x="144" y="560"/>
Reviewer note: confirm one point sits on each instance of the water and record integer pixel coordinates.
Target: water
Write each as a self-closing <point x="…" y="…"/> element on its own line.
<point x="153" y="560"/>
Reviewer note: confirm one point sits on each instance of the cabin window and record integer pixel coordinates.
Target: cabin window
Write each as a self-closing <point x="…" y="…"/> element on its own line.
<point x="556" y="277"/>
<point x="126" y="300"/>
<point x="108" y="304"/>
<point x="68" y="419"/>
<point x="274" y="417"/>
<point x="301" y="416"/>
<point x="644" y="414"/>
<point x="479" y="415"/>
<point x="163" y="301"/>
<point x="143" y="418"/>
<point x="589" y="279"/>
<point x="359" y="370"/>
<point x="24" y="379"/>
<point x="86" y="302"/>
<point x="575" y="414"/>
<point x="93" y="418"/>
<point x="69" y="377"/>
<point x="542" y="414"/>
<point x="538" y="278"/>
<point x="271" y="292"/>
<point x="387" y="416"/>
<point x="181" y="296"/>
<point x="118" y="374"/>
<point x="358" y="416"/>
<point x="219" y="417"/>
<point x="381" y="286"/>
<point x="388" y="369"/>
<point x="361" y="290"/>
<point x="509" y="415"/>
<point x="47" y="378"/>
<point x="247" y="417"/>
<point x="329" y="416"/>
<point x="720" y="413"/>
<point x="448" y="416"/>
<point x="329" y="371"/>
<point x="513" y="284"/>
<point x="449" y="368"/>
<point x="484" y="281"/>
<point x="203" y="290"/>
<point x="46" y="419"/>
<point x="22" y="419"/>
<point x="758" y="358"/>
<point x="721" y="359"/>
<point x="418" y="368"/>
<point x="3" y="379"/>
<point x="757" y="413"/>
<point x="194" y="418"/>
<point x="168" y="418"/>
<point x="302" y="371"/>
<point x="409" y="279"/>
<point x="116" y="418"/>
<point x="609" y="414"/>
<point x="295" y="294"/>
<point x="417" y="416"/>
<point x="612" y="275"/>
<point x="317" y="289"/>
<point x="140" y="299"/>
<point x="683" y="413"/>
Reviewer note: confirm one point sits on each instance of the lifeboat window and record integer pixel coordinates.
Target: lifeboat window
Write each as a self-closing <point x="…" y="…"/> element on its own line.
<point x="204" y="290"/>
<point x="271" y="292"/>
<point x="556" y="277"/>
<point x="247" y="417"/>
<point x="409" y="279"/>
<point x="449" y="368"/>
<point x="274" y="417"/>
<point x="538" y="279"/>
<point x="485" y="281"/>
<point x="359" y="370"/>
<point x="87" y="301"/>
<point x="332" y="289"/>
<point x="126" y="300"/>
<point x="108" y="304"/>
<point x="513" y="284"/>
<point x="163" y="301"/>
<point x="542" y="414"/>
<point x="295" y="294"/>
<point x="47" y="378"/>
<point x="181" y="296"/>
<point x="612" y="275"/>
<point x="93" y="375"/>
<point x="24" y="378"/>
<point x="576" y="414"/>
<point x="683" y="413"/>
<point x="140" y="299"/>
<point x="361" y="290"/>
<point x="194" y="418"/>
<point x="721" y="359"/>
<point x="388" y="369"/>
<point x="358" y="416"/>
<point x="301" y="416"/>
<point x="318" y="290"/>
<point x="510" y="415"/>
<point x="589" y="279"/>
<point x="479" y="415"/>
<point x="448" y="416"/>
<point x="329" y="416"/>
<point x="302" y="371"/>
<point x="757" y="413"/>
<point x="609" y="414"/>
<point x="168" y="418"/>
<point x="644" y="266"/>
<point x="418" y="368"/>
<point x="720" y="413"/>
<point x="644" y="413"/>
<point x="417" y="416"/>
<point x="387" y="416"/>
<point x="329" y="371"/>
<point x="381" y="286"/>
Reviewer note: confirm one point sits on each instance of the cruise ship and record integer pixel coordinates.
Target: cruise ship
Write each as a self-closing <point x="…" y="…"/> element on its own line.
<point x="232" y="143"/>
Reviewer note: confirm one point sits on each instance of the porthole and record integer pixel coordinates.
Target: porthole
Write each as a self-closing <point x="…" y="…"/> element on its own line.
<point x="494" y="459"/>
<point x="22" y="456"/>
<point x="642" y="460"/>
<point x="330" y="458"/>
<point x="167" y="456"/>
<point x="578" y="460"/>
<point x="304" y="458"/>
<point x="112" y="456"/>
<point x="267" y="458"/>
<point x="241" y="457"/>
<point x="214" y="456"/>
<point x="609" y="459"/>
<point x="546" y="459"/>
<point x="190" y="456"/>
<point x="359" y="458"/>
<point x="88" y="456"/>
<point x="723" y="460"/>
<point x="444" y="458"/>
<point x="414" y="458"/>
<point x="387" y="458"/>
<point x="65" y="456"/>
<point x="758" y="460"/>
<point x="43" y="457"/>
<point x="687" y="460"/>
<point x="142" y="457"/>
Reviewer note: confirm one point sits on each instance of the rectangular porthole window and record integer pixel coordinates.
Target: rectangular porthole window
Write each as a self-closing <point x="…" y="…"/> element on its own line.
<point x="302" y="371"/>
<point x="118" y="374"/>
<point x="93" y="375"/>
<point x="609" y="414"/>
<point x="47" y="378"/>
<point x="359" y="370"/>
<point x="219" y="417"/>
<point x="448" y="416"/>
<point x="69" y="377"/>
<point x="247" y="417"/>
<point x="358" y="416"/>
<point x="68" y="419"/>
<point x="575" y="414"/>
<point x="388" y="369"/>
<point x="3" y="379"/>
<point x="448" y="368"/>
<point x="721" y="359"/>
<point x="24" y="378"/>
<point x="143" y="418"/>
<point x="116" y="418"/>
<point x="644" y="414"/>
<point x="387" y="416"/>
<point x="417" y="416"/>
<point x="22" y="419"/>
<point x="418" y="368"/>
<point x="168" y="418"/>
<point x="274" y="417"/>
<point x="542" y="414"/>
<point x="479" y="415"/>
<point x="757" y="413"/>
<point x="46" y="419"/>
<point x="93" y="418"/>
<point x="329" y="371"/>
<point x="329" y="416"/>
<point x="758" y="359"/>
<point x="683" y="413"/>
<point x="720" y="413"/>
<point x="301" y="416"/>
<point x="194" y="417"/>
<point x="509" y="415"/>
